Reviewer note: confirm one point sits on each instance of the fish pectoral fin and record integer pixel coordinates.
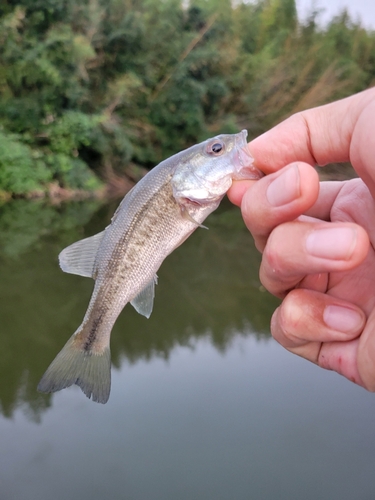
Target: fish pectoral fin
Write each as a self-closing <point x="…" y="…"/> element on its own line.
<point x="144" y="301"/>
<point x="185" y="214"/>
<point x="79" y="258"/>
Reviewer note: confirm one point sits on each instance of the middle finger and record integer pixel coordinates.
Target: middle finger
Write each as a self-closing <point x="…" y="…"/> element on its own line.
<point x="297" y="249"/>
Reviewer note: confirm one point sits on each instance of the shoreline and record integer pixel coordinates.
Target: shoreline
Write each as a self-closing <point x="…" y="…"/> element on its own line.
<point x="57" y="194"/>
<point x="119" y="186"/>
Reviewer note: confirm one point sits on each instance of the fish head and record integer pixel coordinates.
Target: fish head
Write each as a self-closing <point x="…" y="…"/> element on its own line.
<point x="205" y="171"/>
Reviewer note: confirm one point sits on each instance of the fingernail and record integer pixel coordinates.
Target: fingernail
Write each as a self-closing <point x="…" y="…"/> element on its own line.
<point x="332" y="243"/>
<point x="342" y="319"/>
<point x="284" y="188"/>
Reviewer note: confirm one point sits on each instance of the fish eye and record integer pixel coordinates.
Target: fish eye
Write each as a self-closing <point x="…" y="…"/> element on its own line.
<point x="216" y="148"/>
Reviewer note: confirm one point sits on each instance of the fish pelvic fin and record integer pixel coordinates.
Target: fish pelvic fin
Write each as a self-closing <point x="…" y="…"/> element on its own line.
<point x="143" y="303"/>
<point x="90" y="370"/>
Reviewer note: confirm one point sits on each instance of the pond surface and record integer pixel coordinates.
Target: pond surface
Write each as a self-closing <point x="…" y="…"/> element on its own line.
<point x="204" y="404"/>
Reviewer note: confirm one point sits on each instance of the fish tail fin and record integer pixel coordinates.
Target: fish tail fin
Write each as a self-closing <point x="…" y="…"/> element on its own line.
<point x="74" y="364"/>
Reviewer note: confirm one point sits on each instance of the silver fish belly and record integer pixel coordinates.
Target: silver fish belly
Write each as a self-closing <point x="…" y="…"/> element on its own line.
<point x="153" y="219"/>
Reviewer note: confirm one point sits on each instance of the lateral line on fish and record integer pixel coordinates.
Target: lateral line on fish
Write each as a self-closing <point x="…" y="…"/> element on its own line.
<point x="93" y="333"/>
<point x="148" y="225"/>
<point x="142" y="213"/>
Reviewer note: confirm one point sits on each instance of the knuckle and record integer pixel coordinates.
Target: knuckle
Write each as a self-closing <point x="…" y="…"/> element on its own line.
<point x="288" y="323"/>
<point x="299" y="317"/>
<point x="273" y="256"/>
<point x="292" y="315"/>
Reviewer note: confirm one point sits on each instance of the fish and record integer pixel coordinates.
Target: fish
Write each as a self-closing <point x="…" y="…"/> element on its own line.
<point x="155" y="217"/>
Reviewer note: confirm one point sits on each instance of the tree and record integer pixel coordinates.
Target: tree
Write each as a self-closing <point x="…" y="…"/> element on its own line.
<point x="91" y="89"/>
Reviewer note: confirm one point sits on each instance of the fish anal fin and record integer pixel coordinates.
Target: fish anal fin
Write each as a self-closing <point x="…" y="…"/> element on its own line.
<point x="143" y="303"/>
<point x="79" y="258"/>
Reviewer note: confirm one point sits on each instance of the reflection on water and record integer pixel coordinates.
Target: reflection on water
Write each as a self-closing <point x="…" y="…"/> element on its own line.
<point x="204" y="404"/>
<point x="253" y="423"/>
<point x="31" y="234"/>
<point x="24" y="223"/>
<point x="207" y="288"/>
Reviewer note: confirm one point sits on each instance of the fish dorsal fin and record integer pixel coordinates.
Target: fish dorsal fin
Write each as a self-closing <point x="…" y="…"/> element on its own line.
<point x="144" y="301"/>
<point x="79" y="258"/>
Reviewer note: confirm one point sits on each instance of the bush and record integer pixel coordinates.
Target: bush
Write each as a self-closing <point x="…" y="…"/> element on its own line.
<point x="89" y="87"/>
<point x="20" y="171"/>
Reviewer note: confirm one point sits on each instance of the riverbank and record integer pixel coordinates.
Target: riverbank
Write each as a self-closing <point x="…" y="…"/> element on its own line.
<point x="118" y="186"/>
<point x="114" y="188"/>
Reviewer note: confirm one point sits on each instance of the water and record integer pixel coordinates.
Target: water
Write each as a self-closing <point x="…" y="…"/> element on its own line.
<point x="204" y="404"/>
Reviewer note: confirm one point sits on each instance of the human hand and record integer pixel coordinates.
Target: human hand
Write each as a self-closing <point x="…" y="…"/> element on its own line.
<point x="317" y="238"/>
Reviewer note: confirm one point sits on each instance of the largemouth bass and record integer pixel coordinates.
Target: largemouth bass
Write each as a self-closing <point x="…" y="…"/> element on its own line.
<point x="159" y="213"/>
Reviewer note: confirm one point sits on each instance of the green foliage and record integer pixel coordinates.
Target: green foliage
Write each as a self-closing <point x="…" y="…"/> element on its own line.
<point x="20" y="170"/>
<point x="89" y="87"/>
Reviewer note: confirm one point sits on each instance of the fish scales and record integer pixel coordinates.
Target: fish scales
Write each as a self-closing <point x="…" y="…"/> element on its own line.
<point x="153" y="219"/>
<point x="132" y="263"/>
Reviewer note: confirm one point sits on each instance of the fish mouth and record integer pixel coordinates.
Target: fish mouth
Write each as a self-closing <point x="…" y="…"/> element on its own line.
<point x="245" y="167"/>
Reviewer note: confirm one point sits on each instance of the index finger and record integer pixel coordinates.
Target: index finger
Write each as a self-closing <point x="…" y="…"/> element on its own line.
<point x="316" y="136"/>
